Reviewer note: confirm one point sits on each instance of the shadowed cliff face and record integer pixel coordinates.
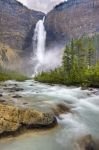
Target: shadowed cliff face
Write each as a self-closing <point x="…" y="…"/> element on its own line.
<point x="72" y="19"/>
<point x="17" y="25"/>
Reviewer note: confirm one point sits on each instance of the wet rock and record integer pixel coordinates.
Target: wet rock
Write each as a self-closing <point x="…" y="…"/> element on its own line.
<point x="17" y="89"/>
<point x="84" y="87"/>
<point x="13" y="119"/>
<point x="2" y="100"/>
<point x="31" y="84"/>
<point x="61" y="108"/>
<point x="25" y="103"/>
<point x="1" y="95"/>
<point x="91" y="89"/>
<point x="14" y="89"/>
<point x="15" y="85"/>
<point x="17" y="96"/>
<point x="9" y="85"/>
<point x="85" y="143"/>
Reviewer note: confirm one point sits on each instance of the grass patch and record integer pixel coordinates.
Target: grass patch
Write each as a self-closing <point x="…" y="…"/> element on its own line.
<point x="11" y="75"/>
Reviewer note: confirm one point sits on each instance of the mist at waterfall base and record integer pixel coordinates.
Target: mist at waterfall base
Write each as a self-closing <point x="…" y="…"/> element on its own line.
<point x="42" y="58"/>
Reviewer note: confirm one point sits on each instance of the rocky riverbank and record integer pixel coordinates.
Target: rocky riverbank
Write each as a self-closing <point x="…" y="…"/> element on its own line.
<point x="15" y="120"/>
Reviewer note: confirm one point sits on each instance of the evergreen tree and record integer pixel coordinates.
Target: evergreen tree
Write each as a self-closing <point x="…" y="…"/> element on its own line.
<point x="67" y="60"/>
<point x="91" y="53"/>
<point x="79" y="65"/>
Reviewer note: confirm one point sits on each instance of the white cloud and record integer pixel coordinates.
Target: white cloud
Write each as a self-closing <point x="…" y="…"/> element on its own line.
<point x="41" y="5"/>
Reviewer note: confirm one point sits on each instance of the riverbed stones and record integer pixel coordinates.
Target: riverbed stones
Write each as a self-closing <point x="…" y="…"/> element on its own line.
<point x="60" y="108"/>
<point x="14" y="89"/>
<point x="25" y="103"/>
<point x="1" y="95"/>
<point x="2" y="100"/>
<point x="85" y="143"/>
<point x="17" y="96"/>
<point x="13" y="119"/>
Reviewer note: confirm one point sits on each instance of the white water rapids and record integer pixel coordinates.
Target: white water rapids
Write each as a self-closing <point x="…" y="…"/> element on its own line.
<point x="39" y="40"/>
<point x="83" y="120"/>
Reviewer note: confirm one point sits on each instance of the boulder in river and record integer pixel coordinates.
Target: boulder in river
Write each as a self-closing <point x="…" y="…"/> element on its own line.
<point x="14" y="119"/>
<point x="60" y="108"/>
<point x="17" y="96"/>
<point x="85" y="143"/>
<point x="1" y="95"/>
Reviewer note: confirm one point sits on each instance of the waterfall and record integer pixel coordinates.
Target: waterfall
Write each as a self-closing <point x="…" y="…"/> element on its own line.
<point x="39" y="40"/>
<point x="42" y="59"/>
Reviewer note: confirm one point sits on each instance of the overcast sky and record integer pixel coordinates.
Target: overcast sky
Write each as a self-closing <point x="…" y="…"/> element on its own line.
<point x="42" y="5"/>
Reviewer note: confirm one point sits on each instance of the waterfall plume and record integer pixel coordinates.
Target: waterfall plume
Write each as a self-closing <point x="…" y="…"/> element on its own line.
<point x="44" y="60"/>
<point x="39" y="40"/>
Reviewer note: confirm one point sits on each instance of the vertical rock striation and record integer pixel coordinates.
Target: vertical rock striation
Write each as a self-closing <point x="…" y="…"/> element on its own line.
<point x="72" y="19"/>
<point x="17" y="25"/>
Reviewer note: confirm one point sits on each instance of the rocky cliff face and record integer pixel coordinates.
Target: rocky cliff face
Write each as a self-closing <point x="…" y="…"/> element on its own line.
<point x="9" y="57"/>
<point x="17" y="25"/>
<point x="14" y="119"/>
<point x="72" y="19"/>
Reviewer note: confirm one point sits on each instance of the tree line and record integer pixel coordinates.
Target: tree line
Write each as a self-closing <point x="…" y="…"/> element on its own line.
<point x="80" y="64"/>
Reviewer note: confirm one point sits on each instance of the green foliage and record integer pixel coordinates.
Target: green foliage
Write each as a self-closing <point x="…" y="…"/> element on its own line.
<point x="79" y="65"/>
<point x="11" y="75"/>
<point x="55" y="76"/>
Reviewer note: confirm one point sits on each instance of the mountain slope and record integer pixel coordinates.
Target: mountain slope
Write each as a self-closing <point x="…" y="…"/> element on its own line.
<point x="72" y="19"/>
<point x="17" y="25"/>
<point x="9" y="58"/>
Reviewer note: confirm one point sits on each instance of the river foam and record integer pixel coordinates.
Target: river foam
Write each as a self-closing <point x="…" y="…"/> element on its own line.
<point x="83" y="119"/>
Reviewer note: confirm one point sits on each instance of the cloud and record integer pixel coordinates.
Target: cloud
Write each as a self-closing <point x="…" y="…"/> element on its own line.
<point x="41" y="5"/>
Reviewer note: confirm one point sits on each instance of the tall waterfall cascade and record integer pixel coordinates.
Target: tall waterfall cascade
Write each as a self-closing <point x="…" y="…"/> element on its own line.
<point x="42" y="59"/>
<point x="39" y="41"/>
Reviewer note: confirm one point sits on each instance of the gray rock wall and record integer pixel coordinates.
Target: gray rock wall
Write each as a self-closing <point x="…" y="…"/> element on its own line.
<point x="17" y="25"/>
<point x="72" y="19"/>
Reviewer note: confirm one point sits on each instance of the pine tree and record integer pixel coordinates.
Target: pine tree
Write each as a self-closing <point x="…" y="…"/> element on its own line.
<point x="67" y="60"/>
<point x="72" y="47"/>
<point x="91" y="53"/>
<point x="80" y="53"/>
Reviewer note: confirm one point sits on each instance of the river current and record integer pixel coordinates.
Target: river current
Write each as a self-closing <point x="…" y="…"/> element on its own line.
<point x="83" y="119"/>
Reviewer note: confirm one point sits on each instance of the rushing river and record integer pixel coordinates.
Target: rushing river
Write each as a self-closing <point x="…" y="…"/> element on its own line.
<point x="83" y="120"/>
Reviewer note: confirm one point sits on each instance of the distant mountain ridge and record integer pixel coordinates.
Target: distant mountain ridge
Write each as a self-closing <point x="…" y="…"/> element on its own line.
<point x="72" y="19"/>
